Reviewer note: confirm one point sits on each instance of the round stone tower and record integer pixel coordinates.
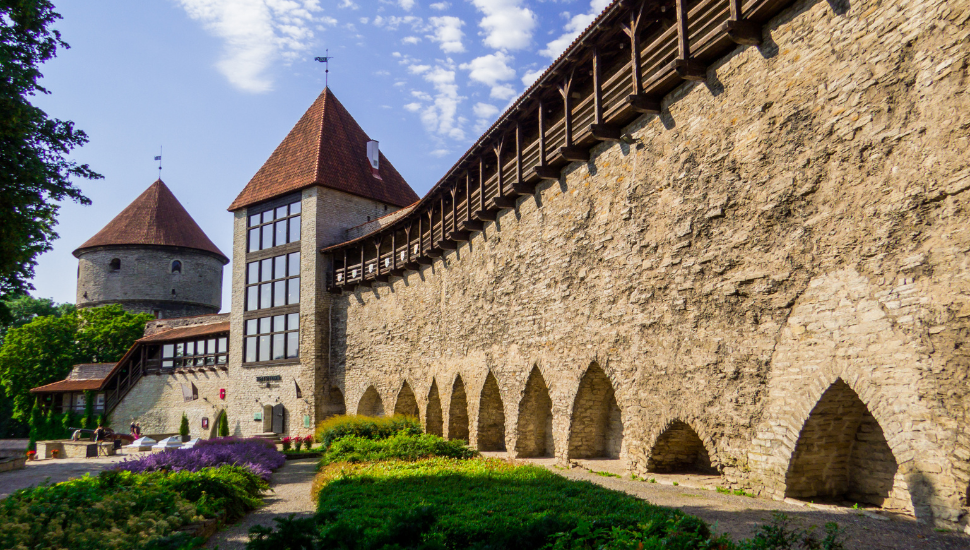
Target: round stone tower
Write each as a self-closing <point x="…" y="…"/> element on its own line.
<point x="152" y="258"/>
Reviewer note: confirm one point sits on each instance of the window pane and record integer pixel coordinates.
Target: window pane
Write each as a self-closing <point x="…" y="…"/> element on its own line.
<point x="279" y="293"/>
<point x="254" y="220"/>
<point x="221" y="359"/>
<point x="292" y="344"/>
<point x="267" y="216"/>
<point x="223" y="345"/>
<point x="278" y="323"/>
<point x="281" y="212"/>
<point x="254" y="240"/>
<point x="278" y="351"/>
<point x="294" y="229"/>
<point x="293" y="320"/>
<point x="199" y="361"/>
<point x="167" y="364"/>
<point x="189" y="348"/>
<point x="210" y="360"/>
<point x="266" y="295"/>
<point x="251" y="326"/>
<point x="295" y="208"/>
<point x="264" y="348"/>
<point x="250" y="349"/>
<point x="267" y="271"/>
<point x="264" y="325"/>
<point x="267" y="237"/>
<point x="294" y="260"/>
<point x="279" y="264"/>
<point x="252" y="298"/>
<point x="210" y="346"/>
<point x="253" y="276"/>
<point x="200" y="348"/>
<point x="179" y="350"/>
<point x="293" y="296"/>
<point x="168" y="350"/>
<point x="281" y="232"/>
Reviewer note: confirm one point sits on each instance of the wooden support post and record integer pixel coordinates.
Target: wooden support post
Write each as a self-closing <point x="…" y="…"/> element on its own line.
<point x="500" y="200"/>
<point x="485" y="212"/>
<point x="469" y="224"/>
<point x="684" y="66"/>
<point x="639" y="101"/>
<point x="568" y="150"/>
<point x="456" y="234"/>
<point x="378" y="276"/>
<point x="423" y="257"/>
<point x="740" y="30"/>
<point x="599" y="130"/>
<point x="520" y="187"/>
<point x="543" y="170"/>
<point x="397" y="268"/>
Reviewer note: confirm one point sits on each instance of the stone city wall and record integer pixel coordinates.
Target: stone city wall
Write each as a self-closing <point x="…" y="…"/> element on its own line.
<point x="156" y="402"/>
<point x="786" y="242"/>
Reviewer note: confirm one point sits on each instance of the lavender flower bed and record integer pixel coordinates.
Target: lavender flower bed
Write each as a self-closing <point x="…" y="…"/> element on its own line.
<point x="258" y="455"/>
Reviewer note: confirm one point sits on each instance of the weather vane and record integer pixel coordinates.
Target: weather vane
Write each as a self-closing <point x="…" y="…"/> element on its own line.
<point x="326" y="61"/>
<point x="159" y="159"/>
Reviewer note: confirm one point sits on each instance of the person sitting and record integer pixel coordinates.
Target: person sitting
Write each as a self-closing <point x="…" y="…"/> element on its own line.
<point x="76" y="436"/>
<point x="100" y="433"/>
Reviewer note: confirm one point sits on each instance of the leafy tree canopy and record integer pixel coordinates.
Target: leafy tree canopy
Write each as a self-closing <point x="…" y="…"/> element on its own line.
<point x="23" y="308"/>
<point x="34" y="171"/>
<point x="44" y="350"/>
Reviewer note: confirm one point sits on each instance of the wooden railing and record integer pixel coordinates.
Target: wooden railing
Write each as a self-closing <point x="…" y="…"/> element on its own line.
<point x="630" y="57"/>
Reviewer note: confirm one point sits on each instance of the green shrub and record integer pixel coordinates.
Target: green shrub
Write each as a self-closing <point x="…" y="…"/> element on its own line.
<point x="397" y="447"/>
<point x="223" y="425"/>
<point x="365" y="427"/>
<point x="184" y="426"/>
<point x="120" y="510"/>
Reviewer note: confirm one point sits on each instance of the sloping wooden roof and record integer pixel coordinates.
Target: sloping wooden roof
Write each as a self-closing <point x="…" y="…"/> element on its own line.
<point x="155" y="218"/>
<point x="328" y="148"/>
<point x="69" y="385"/>
<point x="186" y="332"/>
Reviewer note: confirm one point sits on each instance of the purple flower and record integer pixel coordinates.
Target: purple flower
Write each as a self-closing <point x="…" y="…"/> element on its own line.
<point x="259" y="456"/>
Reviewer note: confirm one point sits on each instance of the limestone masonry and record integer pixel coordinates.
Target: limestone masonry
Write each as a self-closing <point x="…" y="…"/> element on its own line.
<point x="769" y="280"/>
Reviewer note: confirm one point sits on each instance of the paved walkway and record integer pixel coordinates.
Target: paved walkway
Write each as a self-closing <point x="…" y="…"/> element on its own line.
<point x="55" y="470"/>
<point x="291" y="495"/>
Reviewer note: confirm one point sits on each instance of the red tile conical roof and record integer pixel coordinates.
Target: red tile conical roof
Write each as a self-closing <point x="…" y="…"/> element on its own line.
<point x="155" y="218"/>
<point x="326" y="147"/>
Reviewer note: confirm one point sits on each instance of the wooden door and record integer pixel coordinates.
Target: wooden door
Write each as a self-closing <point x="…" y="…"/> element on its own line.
<point x="278" y="418"/>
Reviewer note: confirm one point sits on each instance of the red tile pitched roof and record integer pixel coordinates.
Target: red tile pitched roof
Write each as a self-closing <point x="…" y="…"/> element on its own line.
<point x="155" y="218"/>
<point x="69" y="385"/>
<point x="326" y="147"/>
<point x="186" y="332"/>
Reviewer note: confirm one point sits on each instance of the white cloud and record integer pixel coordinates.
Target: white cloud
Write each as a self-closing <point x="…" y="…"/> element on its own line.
<point x="492" y="70"/>
<point x="531" y="76"/>
<point x="576" y="25"/>
<point x="413" y="107"/>
<point x="394" y="21"/>
<point x="440" y="152"/>
<point x="406" y="4"/>
<point x="507" y="25"/>
<point x="485" y="110"/>
<point x="419" y="69"/>
<point x="326" y="20"/>
<point x="447" y="32"/>
<point x="348" y="4"/>
<point x="440" y="6"/>
<point x="440" y="115"/>
<point x="423" y="96"/>
<point x="364" y="20"/>
<point x="256" y="34"/>
<point x="410" y="40"/>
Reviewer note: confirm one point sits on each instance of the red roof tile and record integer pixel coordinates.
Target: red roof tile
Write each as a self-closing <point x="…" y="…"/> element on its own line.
<point x="186" y="332"/>
<point x="69" y="385"/>
<point x="156" y="218"/>
<point x="326" y="147"/>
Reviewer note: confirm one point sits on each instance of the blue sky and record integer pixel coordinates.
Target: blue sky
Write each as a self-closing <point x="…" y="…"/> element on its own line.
<point x="219" y="83"/>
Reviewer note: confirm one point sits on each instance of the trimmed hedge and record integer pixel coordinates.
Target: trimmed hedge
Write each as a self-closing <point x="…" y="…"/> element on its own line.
<point x="397" y="447"/>
<point x="366" y="427"/>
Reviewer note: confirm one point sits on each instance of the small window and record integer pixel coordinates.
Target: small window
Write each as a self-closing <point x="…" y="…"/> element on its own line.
<point x="176" y="266"/>
<point x="115" y="265"/>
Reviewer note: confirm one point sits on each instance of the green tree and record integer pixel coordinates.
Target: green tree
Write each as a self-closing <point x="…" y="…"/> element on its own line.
<point x="24" y="308"/>
<point x="45" y="349"/>
<point x="35" y="172"/>
<point x="223" y="425"/>
<point x="184" y="426"/>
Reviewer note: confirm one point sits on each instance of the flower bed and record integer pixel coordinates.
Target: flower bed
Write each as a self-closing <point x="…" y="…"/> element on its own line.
<point x="258" y="455"/>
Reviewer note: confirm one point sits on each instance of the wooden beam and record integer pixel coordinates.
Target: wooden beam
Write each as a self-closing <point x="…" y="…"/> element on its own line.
<point x="469" y="224"/>
<point x="575" y="154"/>
<point x="686" y="67"/>
<point x="547" y="172"/>
<point x="740" y="30"/>
<point x="599" y="130"/>
<point x="378" y="276"/>
<point x="638" y="101"/>
<point x="644" y="104"/>
<point x="564" y="91"/>
<point x="542" y="134"/>
<point x="499" y="183"/>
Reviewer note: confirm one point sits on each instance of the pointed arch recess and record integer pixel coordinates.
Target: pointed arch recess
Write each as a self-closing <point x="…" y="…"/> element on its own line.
<point x="596" y="429"/>
<point x="371" y="404"/>
<point x="680" y="450"/>
<point x="335" y="403"/>
<point x="534" y="426"/>
<point x="406" y="403"/>
<point x="842" y="454"/>
<point x="491" y="417"/>
<point x="458" y="412"/>
<point x="434" y="424"/>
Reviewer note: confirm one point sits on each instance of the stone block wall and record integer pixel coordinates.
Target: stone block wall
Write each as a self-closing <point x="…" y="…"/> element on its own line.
<point x="797" y="220"/>
<point x="145" y="282"/>
<point x="156" y="402"/>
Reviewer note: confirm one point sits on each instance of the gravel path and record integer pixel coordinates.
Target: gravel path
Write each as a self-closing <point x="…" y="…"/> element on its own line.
<point x="291" y="495"/>
<point x="740" y="516"/>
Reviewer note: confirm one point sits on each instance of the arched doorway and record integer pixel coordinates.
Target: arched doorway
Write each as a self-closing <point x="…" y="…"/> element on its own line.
<point x="679" y="450"/>
<point x="371" y="404"/>
<point x="842" y="454"/>
<point x="406" y="404"/>
<point x="335" y="403"/>
<point x="534" y="425"/>
<point x="596" y="430"/>
<point x="491" y="417"/>
<point x="458" y="412"/>
<point x="434" y="424"/>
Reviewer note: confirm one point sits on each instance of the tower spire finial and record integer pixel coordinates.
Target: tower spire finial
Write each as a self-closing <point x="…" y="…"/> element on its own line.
<point x="159" y="159"/>
<point x="326" y="61"/>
